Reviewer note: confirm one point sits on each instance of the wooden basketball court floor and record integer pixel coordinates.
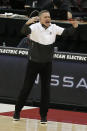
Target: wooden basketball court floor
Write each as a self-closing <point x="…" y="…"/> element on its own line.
<point x="27" y="124"/>
<point x="7" y="124"/>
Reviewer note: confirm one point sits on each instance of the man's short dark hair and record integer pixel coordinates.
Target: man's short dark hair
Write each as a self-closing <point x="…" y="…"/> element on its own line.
<point x="43" y="11"/>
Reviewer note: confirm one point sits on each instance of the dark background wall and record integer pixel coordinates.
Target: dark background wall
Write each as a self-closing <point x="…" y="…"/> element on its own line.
<point x="10" y="33"/>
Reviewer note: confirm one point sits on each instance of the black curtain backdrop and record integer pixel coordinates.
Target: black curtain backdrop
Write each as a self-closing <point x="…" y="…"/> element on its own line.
<point x="17" y="4"/>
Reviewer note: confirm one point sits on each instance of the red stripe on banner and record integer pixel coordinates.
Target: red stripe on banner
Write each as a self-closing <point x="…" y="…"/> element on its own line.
<point x="54" y="115"/>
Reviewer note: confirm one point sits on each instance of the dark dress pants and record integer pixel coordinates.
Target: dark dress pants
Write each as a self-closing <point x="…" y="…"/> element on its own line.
<point x="44" y="70"/>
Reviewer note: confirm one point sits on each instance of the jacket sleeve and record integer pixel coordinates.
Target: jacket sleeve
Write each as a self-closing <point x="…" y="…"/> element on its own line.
<point x="68" y="31"/>
<point x="26" y="30"/>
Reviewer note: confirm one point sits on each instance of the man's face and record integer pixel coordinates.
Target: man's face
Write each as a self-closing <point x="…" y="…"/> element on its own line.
<point x="45" y="19"/>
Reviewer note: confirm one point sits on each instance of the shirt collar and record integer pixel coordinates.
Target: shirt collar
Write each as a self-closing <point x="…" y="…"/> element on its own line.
<point x="43" y="26"/>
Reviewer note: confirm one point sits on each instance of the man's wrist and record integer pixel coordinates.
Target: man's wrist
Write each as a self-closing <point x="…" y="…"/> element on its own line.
<point x="27" y="23"/>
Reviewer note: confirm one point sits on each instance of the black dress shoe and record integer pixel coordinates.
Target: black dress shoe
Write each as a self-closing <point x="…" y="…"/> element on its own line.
<point x="43" y="120"/>
<point x="16" y="116"/>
